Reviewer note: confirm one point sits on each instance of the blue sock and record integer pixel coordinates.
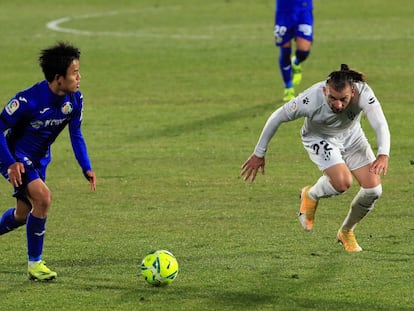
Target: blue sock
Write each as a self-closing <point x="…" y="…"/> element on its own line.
<point x="8" y="222"/>
<point x="35" y="231"/>
<point x="285" y="66"/>
<point x="301" y="56"/>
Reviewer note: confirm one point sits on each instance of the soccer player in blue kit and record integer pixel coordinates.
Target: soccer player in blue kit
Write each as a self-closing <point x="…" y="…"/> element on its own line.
<point x="293" y="21"/>
<point x="31" y="121"/>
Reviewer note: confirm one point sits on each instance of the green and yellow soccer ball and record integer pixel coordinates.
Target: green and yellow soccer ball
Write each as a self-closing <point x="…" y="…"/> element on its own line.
<point x="159" y="268"/>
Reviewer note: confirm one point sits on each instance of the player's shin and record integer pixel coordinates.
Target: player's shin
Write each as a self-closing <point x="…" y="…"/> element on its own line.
<point x="286" y="66"/>
<point x="361" y="205"/>
<point x="8" y="221"/>
<point x="35" y="231"/>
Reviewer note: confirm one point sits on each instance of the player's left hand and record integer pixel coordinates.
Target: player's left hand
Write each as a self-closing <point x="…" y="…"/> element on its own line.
<point x="90" y="175"/>
<point x="380" y="165"/>
<point x="251" y="166"/>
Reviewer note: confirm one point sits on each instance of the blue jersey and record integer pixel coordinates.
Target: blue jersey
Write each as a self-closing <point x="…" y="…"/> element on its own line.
<point x="293" y="5"/>
<point x="33" y="119"/>
<point x="293" y="18"/>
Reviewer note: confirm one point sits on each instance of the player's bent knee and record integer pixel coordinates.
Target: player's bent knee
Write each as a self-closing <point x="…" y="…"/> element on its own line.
<point x="342" y="184"/>
<point x="41" y="202"/>
<point x="46" y="200"/>
<point x="340" y="177"/>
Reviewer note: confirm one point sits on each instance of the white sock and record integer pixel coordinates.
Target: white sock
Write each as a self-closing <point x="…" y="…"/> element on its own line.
<point x="361" y="205"/>
<point x="30" y="264"/>
<point x="322" y="189"/>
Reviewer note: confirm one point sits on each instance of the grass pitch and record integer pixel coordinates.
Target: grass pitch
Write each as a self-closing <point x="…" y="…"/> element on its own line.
<point x="176" y="95"/>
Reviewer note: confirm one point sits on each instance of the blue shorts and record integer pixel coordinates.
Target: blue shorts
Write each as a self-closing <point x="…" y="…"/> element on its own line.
<point x="31" y="173"/>
<point x="289" y="26"/>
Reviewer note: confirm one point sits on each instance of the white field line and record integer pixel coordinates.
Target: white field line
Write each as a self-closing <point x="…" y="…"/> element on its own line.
<point x="56" y="25"/>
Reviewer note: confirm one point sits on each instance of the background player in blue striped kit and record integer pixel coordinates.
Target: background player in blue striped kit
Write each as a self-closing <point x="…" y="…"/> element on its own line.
<point x="32" y="120"/>
<point x="293" y="21"/>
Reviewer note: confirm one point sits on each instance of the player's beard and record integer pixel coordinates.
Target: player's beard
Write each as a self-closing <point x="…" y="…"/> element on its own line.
<point x="337" y="110"/>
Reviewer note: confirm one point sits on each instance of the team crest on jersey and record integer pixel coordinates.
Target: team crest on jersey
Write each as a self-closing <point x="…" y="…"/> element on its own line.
<point x="351" y="115"/>
<point x="67" y="108"/>
<point x="12" y="106"/>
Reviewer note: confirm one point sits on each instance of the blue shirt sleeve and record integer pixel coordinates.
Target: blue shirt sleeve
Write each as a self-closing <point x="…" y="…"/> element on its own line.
<point x="5" y="155"/>
<point x="12" y="112"/>
<point x="78" y="142"/>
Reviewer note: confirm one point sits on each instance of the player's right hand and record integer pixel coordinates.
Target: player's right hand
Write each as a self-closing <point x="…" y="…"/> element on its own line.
<point x="251" y="166"/>
<point x="15" y="172"/>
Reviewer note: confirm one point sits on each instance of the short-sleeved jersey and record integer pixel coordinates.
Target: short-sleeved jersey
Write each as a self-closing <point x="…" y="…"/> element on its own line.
<point x="293" y="18"/>
<point x="33" y="119"/>
<point x="321" y="121"/>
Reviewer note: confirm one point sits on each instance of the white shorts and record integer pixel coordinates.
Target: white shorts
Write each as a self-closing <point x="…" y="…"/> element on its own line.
<point x="353" y="150"/>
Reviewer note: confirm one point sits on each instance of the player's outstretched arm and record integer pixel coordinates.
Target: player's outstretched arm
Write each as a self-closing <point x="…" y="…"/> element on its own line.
<point x="251" y="166"/>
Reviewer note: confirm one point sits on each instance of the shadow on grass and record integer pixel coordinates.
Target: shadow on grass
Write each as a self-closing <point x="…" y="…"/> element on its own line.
<point x="244" y="300"/>
<point x="194" y="125"/>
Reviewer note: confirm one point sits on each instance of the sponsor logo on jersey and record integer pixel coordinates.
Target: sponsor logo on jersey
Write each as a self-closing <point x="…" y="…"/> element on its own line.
<point x="36" y="124"/>
<point x="67" y="108"/>
<point x="12" y="106"/>
<point x="52" y="122"/>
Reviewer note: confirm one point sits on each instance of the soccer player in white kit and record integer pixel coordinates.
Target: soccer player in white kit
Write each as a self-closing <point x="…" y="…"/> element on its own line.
<point x="333" y="137"/>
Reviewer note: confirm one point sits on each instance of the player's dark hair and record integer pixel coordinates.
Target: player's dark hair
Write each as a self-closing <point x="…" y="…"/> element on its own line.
<point x="343" y="77"/>
<point x="56" y="59"/>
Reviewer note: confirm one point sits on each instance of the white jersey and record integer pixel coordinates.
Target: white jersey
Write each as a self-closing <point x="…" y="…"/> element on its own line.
<point x="321" y="121"/>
